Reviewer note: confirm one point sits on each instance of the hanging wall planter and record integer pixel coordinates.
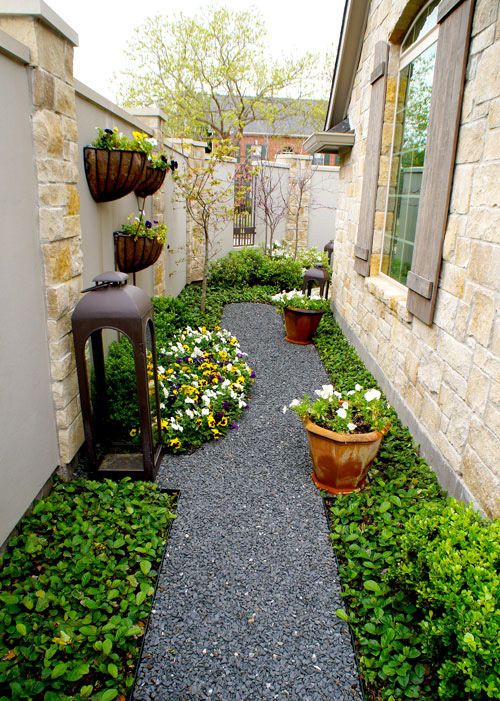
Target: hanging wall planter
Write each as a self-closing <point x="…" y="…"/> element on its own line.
<point x="151" y="181"/>
<point x="112" y="174"/>
<point x="135" y="253"/>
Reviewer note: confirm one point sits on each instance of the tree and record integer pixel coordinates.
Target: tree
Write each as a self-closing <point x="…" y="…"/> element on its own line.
<point x="270" y="201"/>
<point x="209" y="202"/>
<point x="212" y="75"/>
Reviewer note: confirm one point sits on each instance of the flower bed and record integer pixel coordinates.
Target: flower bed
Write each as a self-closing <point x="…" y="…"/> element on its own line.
<point x="76" y="586"/>
<point x="204" y="383"/>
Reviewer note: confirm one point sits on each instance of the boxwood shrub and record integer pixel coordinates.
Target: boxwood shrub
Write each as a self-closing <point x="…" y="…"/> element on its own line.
<point x="251" y="266"/>
<point x="76" y="586"/>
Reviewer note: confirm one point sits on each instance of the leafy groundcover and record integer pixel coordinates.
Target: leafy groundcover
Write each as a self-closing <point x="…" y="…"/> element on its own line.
<point x="76" y="587"/>
<point x="419" y="571"/>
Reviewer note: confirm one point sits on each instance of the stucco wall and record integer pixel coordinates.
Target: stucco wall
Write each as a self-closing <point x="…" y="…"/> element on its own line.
<point x="444" y="378"/>
<point x="324" y="184"/>
<point x="28" y="449"/>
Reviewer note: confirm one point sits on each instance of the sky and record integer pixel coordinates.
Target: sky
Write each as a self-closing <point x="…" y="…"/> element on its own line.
<point x="103" y="27"/>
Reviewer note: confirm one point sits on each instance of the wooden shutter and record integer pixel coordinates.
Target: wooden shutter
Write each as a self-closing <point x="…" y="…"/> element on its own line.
<point x="454" y="18"/>
<point x="364" y="239"/>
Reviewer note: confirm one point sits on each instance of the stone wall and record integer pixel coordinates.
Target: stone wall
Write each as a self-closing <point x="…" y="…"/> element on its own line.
<point x="444" y="378"/>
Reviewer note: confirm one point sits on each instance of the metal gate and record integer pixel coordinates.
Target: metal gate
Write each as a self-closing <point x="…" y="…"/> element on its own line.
<point x="244" y="210"/>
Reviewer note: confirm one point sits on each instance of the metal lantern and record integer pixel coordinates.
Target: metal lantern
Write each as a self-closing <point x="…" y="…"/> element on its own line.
<point x="315" y="276"/>
<point x="112" y="304"/>
<point x="328" y="249"/>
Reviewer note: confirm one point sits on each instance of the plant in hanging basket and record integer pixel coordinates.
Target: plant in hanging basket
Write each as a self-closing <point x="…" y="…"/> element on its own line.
<point x="156" y="168"/>
<point x="138" y="244"/>
<point x="344" y="433"/>
<point x="114" y="165"/>
<point x="302" y="315"/>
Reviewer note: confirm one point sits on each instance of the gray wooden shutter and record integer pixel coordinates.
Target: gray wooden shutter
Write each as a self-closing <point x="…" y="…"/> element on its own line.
<point x="364" y="239"/>
<point x="455" y="19"/>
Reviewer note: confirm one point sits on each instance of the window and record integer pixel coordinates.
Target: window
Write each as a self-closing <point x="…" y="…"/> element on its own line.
<point x="418" y="55"/>
<point x="321" y="159"/>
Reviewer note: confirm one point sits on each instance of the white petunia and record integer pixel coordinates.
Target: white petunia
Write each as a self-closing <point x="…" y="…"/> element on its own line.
<point x="338" y="395"/>
<point x="358" y="388"/>
<point x="345" y="405"/>
<point x="371" y="394"/>
<point x="351" y="426"/>
<point x="294" y="402"/>
<point x="342" y="413"/>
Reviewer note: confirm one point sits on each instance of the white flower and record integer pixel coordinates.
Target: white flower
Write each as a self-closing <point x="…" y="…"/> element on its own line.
<point x="342" y="413"/>
<point x="161" y="369"/>
<point x="188" y="400"/>
<point x="351" y="426"/>
<point x="338" y="395"/>
<point x="371" y="394"/>
<point x="358" y="388"/>
<point x="162" y="406"/>
<point x="189" y="413"/>
<point x="326" y="392"/>
<point x="345" y="405"/>
<point x="351" y="391"/>
<point x="205" y="411"/>
<point x="294" y="402"/>
<point x="152" y="141"/>
<point x="241" y="404"/>
<point x="285" y="409"/>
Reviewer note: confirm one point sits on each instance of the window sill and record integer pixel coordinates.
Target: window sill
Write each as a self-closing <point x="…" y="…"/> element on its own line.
<point x="392" y="295"/>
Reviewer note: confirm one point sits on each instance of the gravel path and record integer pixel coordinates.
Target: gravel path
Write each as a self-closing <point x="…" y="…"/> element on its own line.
<point x="245" y="608"/>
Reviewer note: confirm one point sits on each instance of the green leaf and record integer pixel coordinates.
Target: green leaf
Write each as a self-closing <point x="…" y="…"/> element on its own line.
<point x="59" y="670"/>
<point x="342" y="614"/>
<point x="86" y="690"/>
<point x="21" y="628"/>
<point x="384" y="506"/>
<point x="371" y="585"/>
<point x="145" y="566"/>
<point x="109" y="695"/>
<point x="140" y="597"/>
<point x="113" y="670"/>
<point x="134" y="630"/>
<point x="78" y="672"/>
<point x="107" y="646"/>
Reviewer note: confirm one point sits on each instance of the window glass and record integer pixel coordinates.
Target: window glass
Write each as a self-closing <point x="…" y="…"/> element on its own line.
<point x="423" y="24"/>
<point x="407" y="158"/>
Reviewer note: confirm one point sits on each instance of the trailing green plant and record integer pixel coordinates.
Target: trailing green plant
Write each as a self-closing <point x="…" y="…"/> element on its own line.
<point x="251" y="266"/>
<point x="76" y="588"/>
<point x="295" y="299"/>
<point x="355" y="411"/>
<point x="404" y="550"/>
<point x="138" y="226"/>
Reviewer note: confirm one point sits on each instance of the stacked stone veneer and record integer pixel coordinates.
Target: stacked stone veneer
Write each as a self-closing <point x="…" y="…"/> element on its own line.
<point x="55" y="153"/>
<point x="444" y="378"/>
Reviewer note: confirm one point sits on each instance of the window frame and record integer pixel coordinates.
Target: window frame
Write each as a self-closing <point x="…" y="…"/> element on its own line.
<point x="405" y="58"/>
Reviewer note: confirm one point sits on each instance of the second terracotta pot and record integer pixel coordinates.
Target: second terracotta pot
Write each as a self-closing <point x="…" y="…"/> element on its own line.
<point x="301" y="324"/>
<point x="341" y="460"/>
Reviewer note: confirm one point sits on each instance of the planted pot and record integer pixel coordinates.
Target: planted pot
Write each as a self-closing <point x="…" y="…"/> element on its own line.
<point x="112" y="174"/>
<point x="151" y="181"/>
<point x="301" y="324"/>
<point x="135" y="253"/>
<point x="341" y="460"/>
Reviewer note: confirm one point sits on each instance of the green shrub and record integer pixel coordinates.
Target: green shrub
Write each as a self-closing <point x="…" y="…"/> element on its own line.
<point x="250" y="266"/>
<point x="76" y="587"/>
<point x="449" y="564"/>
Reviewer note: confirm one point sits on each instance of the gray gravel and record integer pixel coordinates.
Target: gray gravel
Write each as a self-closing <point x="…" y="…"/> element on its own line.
<point x="245" y="608"/>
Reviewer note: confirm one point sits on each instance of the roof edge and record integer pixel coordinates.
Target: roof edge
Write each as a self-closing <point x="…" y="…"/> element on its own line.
<point x="350" y="44"/>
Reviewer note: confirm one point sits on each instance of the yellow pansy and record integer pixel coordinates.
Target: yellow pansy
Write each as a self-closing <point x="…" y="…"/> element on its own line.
<point x="133" y="432"/>
<point x="174" y="443"/>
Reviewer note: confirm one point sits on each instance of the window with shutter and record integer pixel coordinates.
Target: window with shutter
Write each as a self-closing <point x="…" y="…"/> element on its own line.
<point x="454" y="18"/>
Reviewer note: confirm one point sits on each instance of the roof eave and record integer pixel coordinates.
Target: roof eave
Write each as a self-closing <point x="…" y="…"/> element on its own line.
<point x="346" y="63"/>
<point x="328" y="142"/>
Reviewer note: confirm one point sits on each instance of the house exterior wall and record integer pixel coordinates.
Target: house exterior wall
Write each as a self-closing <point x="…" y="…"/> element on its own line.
<point x="443" y="378"/>
<point x="274" y="144"/>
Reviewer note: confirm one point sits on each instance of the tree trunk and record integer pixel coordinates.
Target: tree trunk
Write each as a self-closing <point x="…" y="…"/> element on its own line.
<point x="205" y="276"/>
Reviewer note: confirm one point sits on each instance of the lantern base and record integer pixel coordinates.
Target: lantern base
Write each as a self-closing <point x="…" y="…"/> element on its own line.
<point x="118" y="465"/>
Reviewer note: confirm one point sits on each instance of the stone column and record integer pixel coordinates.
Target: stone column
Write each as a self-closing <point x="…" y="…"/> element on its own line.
<point x="55" y="154"/>
<point x="154" y="118"/>
<point x="299" y="197"/>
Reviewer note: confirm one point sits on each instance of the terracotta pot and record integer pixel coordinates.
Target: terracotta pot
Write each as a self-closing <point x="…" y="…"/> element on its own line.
<point x="134" y="254"/>
<point x="112" y="174"/>
<point x="151" y="181"/>
<point x="341" y="460"/>
<point x="301" y="324"/>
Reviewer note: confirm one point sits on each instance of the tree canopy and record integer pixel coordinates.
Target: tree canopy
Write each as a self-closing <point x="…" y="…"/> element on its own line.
<point x="212" y="74"/>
